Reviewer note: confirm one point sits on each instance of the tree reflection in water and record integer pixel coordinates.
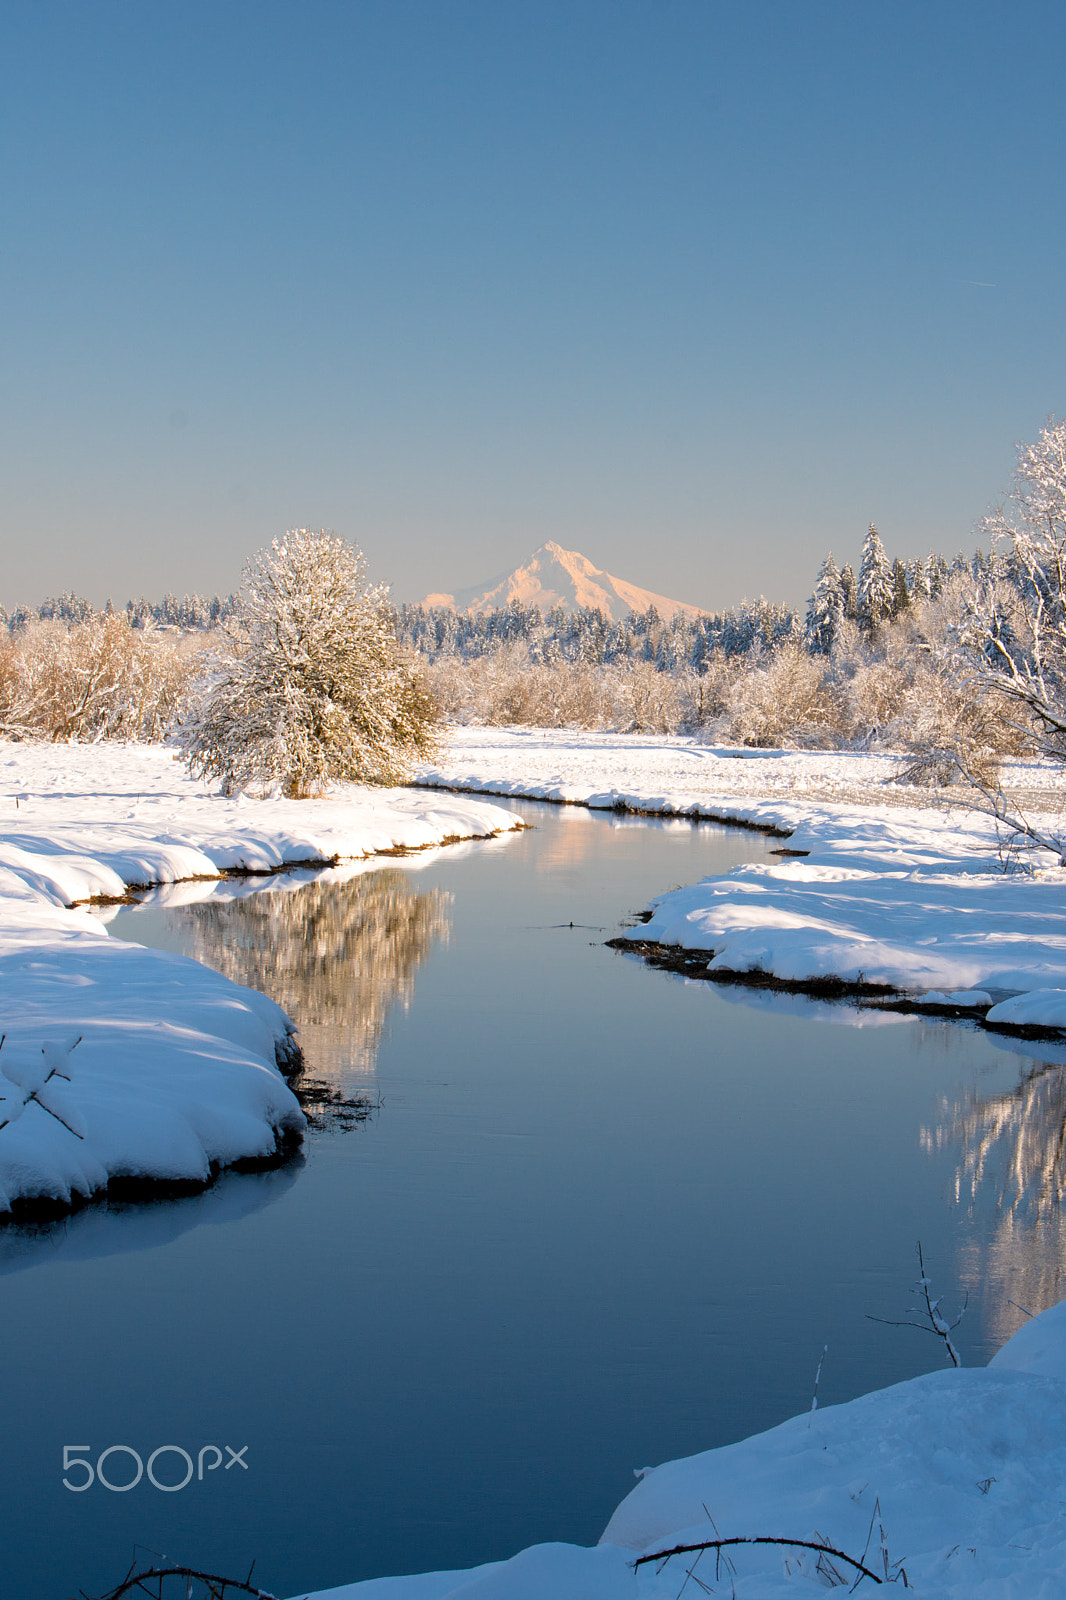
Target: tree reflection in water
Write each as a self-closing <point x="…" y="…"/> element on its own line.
<point x="1013" y="1158"/>
<point x="337" y="955"/>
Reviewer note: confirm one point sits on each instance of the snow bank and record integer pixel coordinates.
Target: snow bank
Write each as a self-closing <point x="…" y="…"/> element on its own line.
<point x="914" y="898"/>
<point x="965" y="1472"/>
<point x="120" y="1063"/>
<point x="773" y="789"/>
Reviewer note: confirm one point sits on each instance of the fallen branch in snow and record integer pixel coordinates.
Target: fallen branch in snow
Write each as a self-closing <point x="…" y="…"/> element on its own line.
<point x="31" y="1079"/>
<point x="721" y="1544"/>
<point x="215" y="1587"/>
<point x="935" y="1323"/>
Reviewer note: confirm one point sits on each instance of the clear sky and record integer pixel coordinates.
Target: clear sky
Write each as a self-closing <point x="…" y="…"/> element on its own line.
<point x="697" y="288"/>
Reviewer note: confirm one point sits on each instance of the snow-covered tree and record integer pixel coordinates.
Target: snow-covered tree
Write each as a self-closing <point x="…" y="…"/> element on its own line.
<point x="901" y="594"/>
<point x="825" y="609"/>
<point x="876" y="586"/>
<point x="1019" y="627"/>
<point x="850" y="590"/>
<point x="936" y="575"/>
<point x="917" y="581"/>
<point x="315" y="687"/>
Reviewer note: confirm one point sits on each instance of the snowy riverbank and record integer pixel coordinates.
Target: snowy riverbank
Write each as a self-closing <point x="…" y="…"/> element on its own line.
<point x="174" y="1074"/>
<point x="661" y="773"/>
<point x="959" y="1477"/>
<point x="885" y="893"/>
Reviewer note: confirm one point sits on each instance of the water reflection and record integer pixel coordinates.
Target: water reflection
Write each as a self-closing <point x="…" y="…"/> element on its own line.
<point x="337" y="955"/>
<point x="1012" y="1160"/>
<point x="575" y="840"/>
<point x="109" y="1228"/>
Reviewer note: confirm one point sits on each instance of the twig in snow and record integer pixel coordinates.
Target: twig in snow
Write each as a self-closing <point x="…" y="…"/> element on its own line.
<point x="876" y="1516"/>
<point x="817" y="1381"/>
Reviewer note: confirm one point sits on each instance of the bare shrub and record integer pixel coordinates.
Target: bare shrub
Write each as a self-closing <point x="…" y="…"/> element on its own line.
<point x="648" y="701"/>
<point x="953" y="723"/>
<point x="507" y="688"/>
<point x="950" y="732"/>
<point x="95" y="679"/>
<point x="784" y="698"/>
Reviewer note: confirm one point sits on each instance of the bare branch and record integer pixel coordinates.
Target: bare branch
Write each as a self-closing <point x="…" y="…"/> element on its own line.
<point x="721" y="1544"/>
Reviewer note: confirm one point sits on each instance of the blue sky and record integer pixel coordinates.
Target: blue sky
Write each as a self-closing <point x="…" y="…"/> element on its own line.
<point x="696" y="288"/>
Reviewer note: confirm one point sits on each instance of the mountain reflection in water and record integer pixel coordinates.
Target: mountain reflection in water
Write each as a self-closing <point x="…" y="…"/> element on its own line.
<point x="337" y="955"/>
<point x="1012" y="1158"/>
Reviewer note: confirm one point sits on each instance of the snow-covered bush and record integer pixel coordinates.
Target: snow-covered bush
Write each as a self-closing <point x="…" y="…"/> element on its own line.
<point x="313" y="687"/>
<point x="508" y="689"/>
<point x="783" y="698"/>
<point x="97" y="678"/>
<point x="952" y="726"/>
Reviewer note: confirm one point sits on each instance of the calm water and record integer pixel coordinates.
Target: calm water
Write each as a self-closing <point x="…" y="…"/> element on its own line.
<point x="601" y="1217"/>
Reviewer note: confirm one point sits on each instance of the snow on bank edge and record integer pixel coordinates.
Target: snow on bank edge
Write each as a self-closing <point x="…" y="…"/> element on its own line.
<point x="174" y="1075"/>
<point x="911" y="898"/>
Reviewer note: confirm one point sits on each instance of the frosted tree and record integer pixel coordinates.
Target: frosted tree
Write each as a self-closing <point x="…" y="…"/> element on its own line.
<point x="1019" y="627"/>
<point x="918" y="581"/>
<point x="876" y="585"/>
<point x="825" y="609"/>
<point x="1006" y="648"/>
<point x="850" y="590"/>
<point x="901" y="594"/>
<point x="936" y="574"/>
<point x="314" y="687"/>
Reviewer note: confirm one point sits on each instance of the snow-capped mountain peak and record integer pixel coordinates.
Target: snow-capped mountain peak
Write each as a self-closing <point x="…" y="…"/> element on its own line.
<point x="556" y="577"/>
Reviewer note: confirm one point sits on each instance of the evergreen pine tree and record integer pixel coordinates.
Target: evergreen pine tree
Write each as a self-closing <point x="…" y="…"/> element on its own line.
<point x="901" y="598"/>
<point x="825" y="609"/>
<point x="875" y="582"/>
<point x="936" y="571"/>
<point x="850" y="590"/>
<point x="917" y="581"/>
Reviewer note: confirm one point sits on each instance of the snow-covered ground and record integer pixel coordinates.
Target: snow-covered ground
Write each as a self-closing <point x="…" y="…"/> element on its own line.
<point x="886" y="892"/>
<point x="959" y="1477"/>
<point x="658" y="772"/>
<point x="124" y="1063"/>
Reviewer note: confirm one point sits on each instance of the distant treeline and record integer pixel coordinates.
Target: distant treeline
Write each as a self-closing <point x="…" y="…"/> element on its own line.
<point x="881" y="592"/>
<point x="193" y="612"/>
<point x="592" y="639"/>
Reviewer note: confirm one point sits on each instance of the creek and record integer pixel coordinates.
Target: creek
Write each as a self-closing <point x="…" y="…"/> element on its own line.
<point x="579" y="1217"/>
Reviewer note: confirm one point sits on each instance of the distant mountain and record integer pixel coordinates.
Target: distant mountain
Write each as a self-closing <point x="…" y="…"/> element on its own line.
<point x="556" y="577"/>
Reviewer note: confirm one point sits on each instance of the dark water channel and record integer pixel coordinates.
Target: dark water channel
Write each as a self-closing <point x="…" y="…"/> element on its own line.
<point x="600" y="1217"/>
